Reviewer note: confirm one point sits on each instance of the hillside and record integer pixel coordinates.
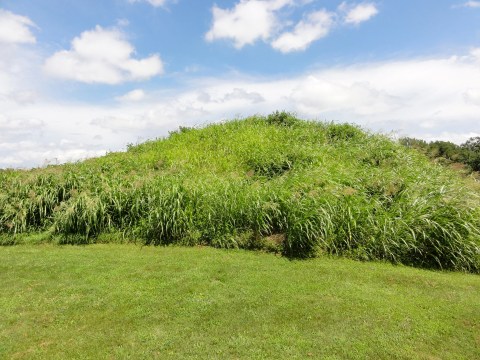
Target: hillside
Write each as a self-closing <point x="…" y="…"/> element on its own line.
<point x="275" y="183"/>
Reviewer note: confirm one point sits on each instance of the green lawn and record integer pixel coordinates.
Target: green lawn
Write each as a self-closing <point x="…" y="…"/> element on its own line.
<point x="125" y="301"/>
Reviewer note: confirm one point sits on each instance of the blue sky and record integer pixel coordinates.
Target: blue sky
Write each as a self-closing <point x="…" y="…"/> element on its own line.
<point x="80" y="78"/>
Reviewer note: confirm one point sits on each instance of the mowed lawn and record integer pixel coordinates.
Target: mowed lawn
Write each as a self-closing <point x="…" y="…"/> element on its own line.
<point x="126" y="301"/>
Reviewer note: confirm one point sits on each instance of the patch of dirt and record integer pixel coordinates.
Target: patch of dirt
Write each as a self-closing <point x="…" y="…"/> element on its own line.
<point x="275" y="239"/>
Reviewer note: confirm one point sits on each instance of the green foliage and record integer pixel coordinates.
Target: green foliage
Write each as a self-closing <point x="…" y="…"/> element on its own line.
<point x="472" y="153"/>
<point x="343" y="132"/>
<point x="448" y="152"/>
<point x="274" y="183"/>
<point x="111" y="301"/>
<point x="281" y="118"/>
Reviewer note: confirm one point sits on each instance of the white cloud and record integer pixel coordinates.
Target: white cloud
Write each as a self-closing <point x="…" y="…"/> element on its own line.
<point x="356" y="14"/>
<point x="316" y="26"/>
<point x="155" y="3"/>
<point x="19" y="68"/>
<point x="134" y="95"/>
<point x="252" y="20"/>
<point x="243" y="95"/>
<point x="315" y="94"/>
<point x="435" y="98"/>
<point x="235" y="95"/>
<point x="475" y="53"/>
<point x="471" y="4"/>
<point x="39" y="154"/>
<point x="102" y="56"/>
<point x="247" y="22"/>
<point x="19" y="125"/>
<point x="23" y="97"/>
<point x="472" y="96"/>
<point x="15" y="29"/>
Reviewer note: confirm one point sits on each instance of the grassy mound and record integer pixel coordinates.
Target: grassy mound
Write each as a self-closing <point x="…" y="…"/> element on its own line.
<point x="273" y="182"/>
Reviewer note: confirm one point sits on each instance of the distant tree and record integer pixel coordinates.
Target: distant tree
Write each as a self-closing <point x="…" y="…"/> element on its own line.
<point x="445" y="149"/>
<point x="471" y="152"/>
<point x="472" y="144"/>
<point x="468" y="153"/>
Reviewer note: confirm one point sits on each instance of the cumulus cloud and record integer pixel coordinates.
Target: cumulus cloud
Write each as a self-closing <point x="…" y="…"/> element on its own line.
<point x="356" y="14"/>
<point x="315" y="94"/>
<point x="434" y="98"/>
<point x="134" y="95"/>
<point x="151" y="121"/>
<point x="252" y="20"/>
<point x="243" y="95"/>
<point x="23" y="97"/>
<point x="118" y="123"/>
<point x="316" y="26"/>
<point x="31" y="152"/>
<point x="247" y="22"/>
<point x="19" y="124"/>
<point x="235" y="95"/>
<point x="472" y="96"/>
<point x="19" y="68"/>
<point x="15" y="29"/>
<point x="102" y="56"/>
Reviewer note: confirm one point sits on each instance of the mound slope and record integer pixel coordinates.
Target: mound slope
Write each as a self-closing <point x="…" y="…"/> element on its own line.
<point x="277" y="182"/>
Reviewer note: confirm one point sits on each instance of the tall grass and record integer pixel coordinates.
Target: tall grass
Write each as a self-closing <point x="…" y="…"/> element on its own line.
<point x="311" y="187"/>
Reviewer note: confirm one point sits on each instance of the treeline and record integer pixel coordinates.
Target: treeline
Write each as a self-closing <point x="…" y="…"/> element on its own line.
<point x="467" y="153"/>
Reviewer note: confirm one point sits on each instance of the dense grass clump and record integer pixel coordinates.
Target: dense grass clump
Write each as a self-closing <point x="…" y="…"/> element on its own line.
<point x="296" y="187"/>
